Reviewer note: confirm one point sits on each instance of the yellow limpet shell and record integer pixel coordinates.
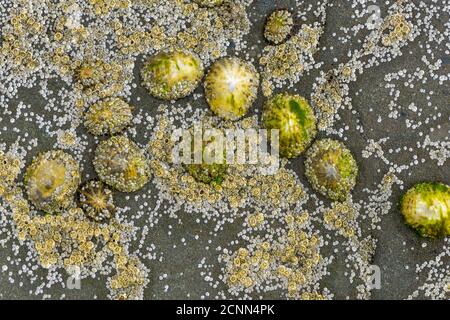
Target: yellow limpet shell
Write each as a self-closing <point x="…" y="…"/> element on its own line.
<point x="231" y="87"/>
<point x="121" y="164"/>
<point x="109" y="116"/>
<point x="331" y="169"/>
<point x="51" y="181"/>
<point x="426" y="208"/>
<point x="172" y="74"/>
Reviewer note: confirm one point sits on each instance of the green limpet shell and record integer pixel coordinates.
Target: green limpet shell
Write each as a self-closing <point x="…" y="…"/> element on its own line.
<point x="331" y="169"/>
<point x="278" y="26"/>
<point x="209" y="3"/>
<point x="426" y="208"/>
<point x="208" y="173"/>
<point x="213" y="174"/>
<point x="172" y="74"/>
<point x="52" y="180"/>
<point x="295" y="119"/>
<point x="108" y="117"/>
<point x="121" y="164"/>
<point x="231" y="87"/>
<point x="96" y="200"/>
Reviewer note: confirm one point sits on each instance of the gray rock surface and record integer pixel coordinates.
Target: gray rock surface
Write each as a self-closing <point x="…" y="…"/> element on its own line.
<point x="180" y="263"/>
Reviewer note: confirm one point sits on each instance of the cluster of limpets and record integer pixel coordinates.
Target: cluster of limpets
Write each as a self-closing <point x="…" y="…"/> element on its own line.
<point x="330" y="166"/>
<point x="172" y="74"/>
<point x="278" y="26"/>
<point x="52" y="180"/>
<point x="294" y="118"/>
<point x="109" y="116"/>
<point x="426" y="208"/>
<point x="121" y="164"/>
<point x="231" y="86"/>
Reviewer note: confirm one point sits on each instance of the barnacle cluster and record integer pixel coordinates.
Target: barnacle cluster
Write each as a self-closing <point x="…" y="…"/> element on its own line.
<point x="101" y="7"/>
<point x="341" y="217"/>
<point x="121" y="164"/>
<point x="231" y="87"/>
<point x="331" y="169"/>
<point x="51" y="181"/>
<point x="109" y="116"/>
<point x="395" y="29"/>
<point x="98" y="77"/>
<point x="294" y="259"/>
<point x="329" y="95"/>
<point x="240" y="181"/>
<point x="285" y="63"/>
<point x="209" y="3"/>
<point x="172" y="74"/>
<point x="294" y="118"/>
<point x="426" y="208"/>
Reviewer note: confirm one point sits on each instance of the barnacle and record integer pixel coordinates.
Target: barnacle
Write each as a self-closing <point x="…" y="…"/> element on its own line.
<point x="121" y="164"/>
<point x="294" y="118"/>
<point x="51" y="181"/>
<point x="278" y="26"/>
<point x="172" y="74"/>
<point x="108" y="116"/>
<point x="97" y="200"/>
<point x="331" y="169"/>
<point x="231" y="87"/>
<point x="426" y="208"/>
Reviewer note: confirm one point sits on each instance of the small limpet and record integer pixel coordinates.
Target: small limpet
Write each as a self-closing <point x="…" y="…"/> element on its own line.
<point x="109" y="116"/>
<point x="278" y="26"/>
<point x="331" y="169"/>
<point x="96" y="200"/>
<point x="213" y="168"/>
<point x="52" y="180"/>
<point x="172" y="74"/>
<point x="121" y="164"/>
